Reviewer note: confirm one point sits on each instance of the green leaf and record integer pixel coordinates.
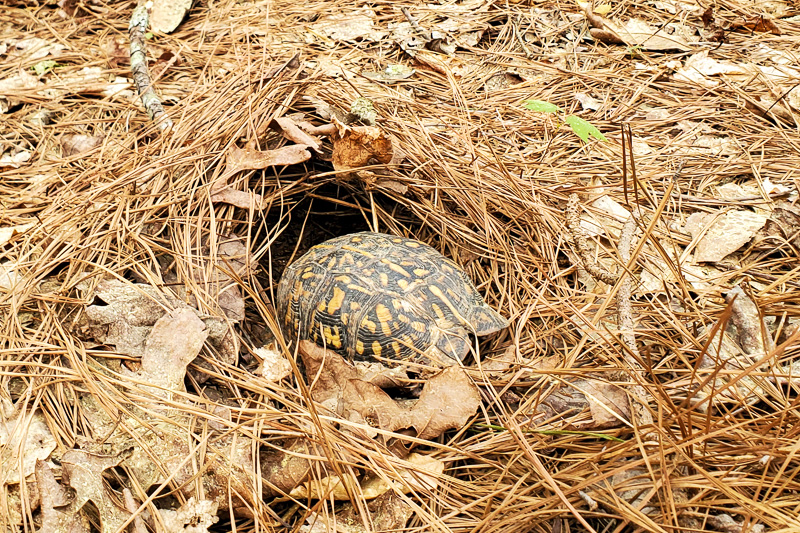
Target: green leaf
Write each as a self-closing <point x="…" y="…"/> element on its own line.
<point x="42" y="67"/>
<point x="583" y="129"/>
<point x="541" y="107"/>
<point x="148" y="36"/>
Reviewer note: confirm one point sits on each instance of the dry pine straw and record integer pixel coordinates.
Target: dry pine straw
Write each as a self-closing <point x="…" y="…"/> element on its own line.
<point x="488" y="183"/>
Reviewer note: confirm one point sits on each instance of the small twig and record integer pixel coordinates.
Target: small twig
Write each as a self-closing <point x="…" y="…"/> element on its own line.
<point x="132" y="507"/>
<point x="639" y="410"/>
<point x="414" y="24"/>
<point x="594" y="269"/>
<point x="624" y="307"/>
<point x="151" y="102"/>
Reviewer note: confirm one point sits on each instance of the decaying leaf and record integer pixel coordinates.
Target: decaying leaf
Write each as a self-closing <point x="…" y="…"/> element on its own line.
<point x="123" y="315"/>
<point x="593" y="404"/>
<point x="24" y="439"/>
<point x="84" y="472"/>
<point x="274" y="365"/>
<point x="751" y="328"/>
<point x="166" y="15"/>
<point x="388" y="512"/>
<point x="235" y="197"/>
<point x="19" y="84"/>
<point x="632" y="485"/>
<point x="637" y="33"/>
<point x="392" y="74"/>
<point x="448" y="399"/>
<point x="9" y="232"/>
<point x="248" y="158"/>
<point x="32" y="48"/>
<point x="758" y="23"/>
<point x="76" y="143"/>
<point x="360" y="146"/>
<point x="14" y="158"/>
<point x="192" y="517"/>
<point x="156" y="448"/>
<point x="588" y="102"/>
<point x="702" y="278"/>
<point x="216" y="274"/>
<point x="59" y="513"/>
<point x="349" y="26"/>
<point x="725" y="371"/>
<point x="421" y="473"/>
<point x="287" y="467"/>
<point x="718" y="236"/>
<point x="783" y="226"/>
<point x="175" y="340"/>
<point x="726" y="523"/>
<point x="608" y="218"/>
<point x="116" y="49"/>
<point x="292" y="132"/>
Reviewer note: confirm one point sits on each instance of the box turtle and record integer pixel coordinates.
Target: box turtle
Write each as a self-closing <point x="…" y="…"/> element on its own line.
<point x="374" y="296"/>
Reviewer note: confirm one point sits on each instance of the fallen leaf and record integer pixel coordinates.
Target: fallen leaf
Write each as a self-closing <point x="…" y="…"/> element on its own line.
<point x="274" y="365"/>
<point x="287" y="467"/>
<point x="9" y="232"/>
<point x="758" y="23"/>
<point x="726" y="523"/>
<point x="166" y="15"/>
<point x="637" y="33"/>
<point x="249" y="158"/>
<point x="21" y="83"/>
<point x="464" y="32"/>
<point x="175" y="340"/>
<point x="388" y="512"/>
<point x="699" y="67"/>
<point x="392" y="74"/>
<point x="606" y="220"/>
<point x="9" y="275"/>
<point x="380" y="375"/>
<point x="360" y="146"/>
<point x="632" y="485"/>
<point x="59" y="514"/>
<point x="292" y="132"/>
<point x="606" y="404"/>
<point x="14" y="159"/>
<point x="752" y="331"/>
<point x="25" y="439"/>
<point x="448" y="399"/>
<point x="84" y="472"/>
<point x="235" y="197"/>
<point x="722" y="375"/>
<point x="31" y="48"/>
<point x="588" y="102"/>
<point x="422" y="473"/>
<point x="43" y="67"/>
<point x="116" y="49"/>
<point x="783" y="225"/>
<point x="350" y="26"/>
<point x="76" y="143"/>
<point x="192" y="517"/>
<point x="718" y="236"/>
<point x="123" y="314"/>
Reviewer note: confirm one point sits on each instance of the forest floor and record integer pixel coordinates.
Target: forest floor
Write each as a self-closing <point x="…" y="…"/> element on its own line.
<point x="619" y="181"/>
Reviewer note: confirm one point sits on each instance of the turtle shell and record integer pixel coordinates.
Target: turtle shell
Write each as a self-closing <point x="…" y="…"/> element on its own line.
<point x="375" y="296"/>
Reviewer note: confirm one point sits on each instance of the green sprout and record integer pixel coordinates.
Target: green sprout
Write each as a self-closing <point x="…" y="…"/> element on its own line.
<point x="580" y="127"/>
